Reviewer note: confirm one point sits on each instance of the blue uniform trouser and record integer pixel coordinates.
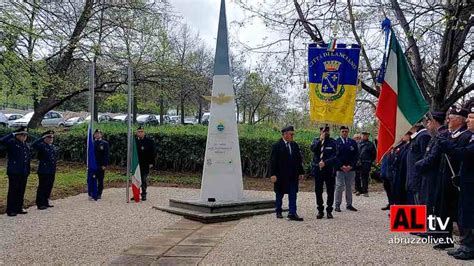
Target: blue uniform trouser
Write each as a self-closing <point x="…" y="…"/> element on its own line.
<point x="100" y="181"/>
<point x="292" y="191"/>
<point x="45" y="186"/>
<point x="16" y="193"/>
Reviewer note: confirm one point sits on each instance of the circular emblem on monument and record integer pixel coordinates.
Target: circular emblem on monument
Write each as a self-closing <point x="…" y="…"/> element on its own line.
<point x="220" y="127"/>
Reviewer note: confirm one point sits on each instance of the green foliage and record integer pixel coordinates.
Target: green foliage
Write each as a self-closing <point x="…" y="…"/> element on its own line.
<point x="182" y="148"/>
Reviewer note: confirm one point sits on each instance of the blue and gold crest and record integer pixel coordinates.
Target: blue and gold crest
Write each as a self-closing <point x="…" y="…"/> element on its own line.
<point x="330" y="77"/>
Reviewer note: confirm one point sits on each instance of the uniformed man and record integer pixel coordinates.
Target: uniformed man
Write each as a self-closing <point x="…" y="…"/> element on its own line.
<point x="47" y="156"/>
<point x="367" y="155"/>
<point x="102" y="158"/>
<point x="347" y="154"/>
<point x="146" y="157"/>
<point x="18" y="169"/>
<point x="419" y="141"/>
<point x="286" y="169"/>
<point x="446" y="192"/>
<point x="465" y="154"/>
<point x="428" y="166"/>
<point x="322" y="169"/>
<point x="398" y="170"/>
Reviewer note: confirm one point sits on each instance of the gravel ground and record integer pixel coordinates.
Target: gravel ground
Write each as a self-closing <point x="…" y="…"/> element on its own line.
<point x="350" y="238"/>
<point x="79" y="231"/>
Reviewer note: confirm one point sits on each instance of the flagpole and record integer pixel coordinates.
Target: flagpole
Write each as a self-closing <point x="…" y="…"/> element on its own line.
<point x="129" y="131"/>
<point x="91" y="94"/>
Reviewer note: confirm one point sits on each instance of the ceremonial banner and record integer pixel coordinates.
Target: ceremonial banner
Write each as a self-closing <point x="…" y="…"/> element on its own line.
<point x="333" y="80"/>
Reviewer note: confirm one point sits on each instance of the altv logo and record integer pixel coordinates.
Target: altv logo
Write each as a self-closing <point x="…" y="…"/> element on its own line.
<point x="413" y="219"/>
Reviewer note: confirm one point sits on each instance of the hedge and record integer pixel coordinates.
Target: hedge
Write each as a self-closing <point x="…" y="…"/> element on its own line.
<point x="180" y="148"/>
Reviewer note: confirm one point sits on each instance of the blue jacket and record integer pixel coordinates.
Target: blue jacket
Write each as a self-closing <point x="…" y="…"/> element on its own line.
<point x="416" y="152"/>
<point x="329" y="157"/>
<point x="101" y="152"/>
<point x="347" y="153"/>
<point x="47" y="155"/>
<point x="19" y="156"/>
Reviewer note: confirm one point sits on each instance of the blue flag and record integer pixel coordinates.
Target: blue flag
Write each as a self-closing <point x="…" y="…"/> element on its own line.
<point x="91" y="166"/>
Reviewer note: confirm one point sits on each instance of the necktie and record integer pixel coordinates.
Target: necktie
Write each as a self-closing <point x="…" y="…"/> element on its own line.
<point x="288" y="147"/>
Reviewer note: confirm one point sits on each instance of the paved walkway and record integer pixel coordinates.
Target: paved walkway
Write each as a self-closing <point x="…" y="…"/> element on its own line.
<point x="184" y="243"/>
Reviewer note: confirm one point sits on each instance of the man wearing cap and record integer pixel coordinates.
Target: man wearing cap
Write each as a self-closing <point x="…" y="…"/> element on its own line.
<point x="146" y="157"/>
<point x="286" y="169"/>
<point x="419" y="141"/>
<point x="347" y="154"/>
<point x="322" y="169"/>
<point x="18" y="169"/>
<point x="47" y="155"/>
<point x="465" y="154"/>
<point x="367" y="155"/>
<point x="446" y="191"/>
<point x="102" y="158"/>
<point x="428" y="166"/>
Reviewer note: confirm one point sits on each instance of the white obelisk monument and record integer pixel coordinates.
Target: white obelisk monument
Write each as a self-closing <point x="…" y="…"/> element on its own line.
<point x="222" y="173"/>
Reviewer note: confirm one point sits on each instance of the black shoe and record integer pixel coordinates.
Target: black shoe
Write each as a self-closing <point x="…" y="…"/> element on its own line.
<point x="23" y="211"/>
<point x="357" y="193"/>
<point x="11" y="214"/>
<point x="454" y="252"/>
<point x="143" y="198"/>
<point x="132" y="199"/>
<point x="295" y="217"/>
<point x="330" y="215"/>
<point x="42" y="207"/>
<point x="279" y="215"/>
<point x="337" y="209"/>
<point x="464" y="256"/>
<point x="443" y="246"/>
<point x="386" y="208"/>
<point x="99" y="197"/>
<point x="50" y="206"/>
<point x="320" y="215"/>
<point x="351" y="208"/>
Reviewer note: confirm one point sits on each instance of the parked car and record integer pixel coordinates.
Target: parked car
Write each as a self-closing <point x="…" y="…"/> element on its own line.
<point x="102" y="118"/>
<point x="147" y="120"/>
<point x="189" y="120"/>
<point x="74" y="121"/>
<point x="3" y="120"/>
<point x="175" y="119"/>
<point x="50" y="119"/>
<point x="205" y="118"/>
<point x="119" y="118"/>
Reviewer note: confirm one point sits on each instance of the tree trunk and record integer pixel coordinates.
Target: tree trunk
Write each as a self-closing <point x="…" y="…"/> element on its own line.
<point x="182" y="111"/>
<point x="200" y="110"/>
<point x="134" y="108"/>
<point x="162" y="109"/>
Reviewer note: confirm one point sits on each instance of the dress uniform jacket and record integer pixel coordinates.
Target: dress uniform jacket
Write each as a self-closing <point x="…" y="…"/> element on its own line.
<point x="329" y="157"/>
<point x="146" y="154"/>
<point x="286" y="167"/>
<point x="101" y="152"/>
<point x="415" y="153"/>
<point x="19" y="156"/>
<point x="347" y="153"/>
<point x="47" y="155"/>
<point x="397" y="168"/>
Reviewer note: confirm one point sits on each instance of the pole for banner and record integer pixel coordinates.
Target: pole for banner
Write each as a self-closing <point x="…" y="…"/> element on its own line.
<point x="129" y="131"/>
<point x="91" y="104"/>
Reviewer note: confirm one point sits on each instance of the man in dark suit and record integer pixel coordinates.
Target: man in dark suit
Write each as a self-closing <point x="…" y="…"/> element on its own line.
<point x="322" y="169"/>
<point x="347" y="154"/>
<point x="146" y="157"/>
<point x="47" y="155"/>
<point x="398" y="170"/>
<point x="18" y="169"/>
<point x="286" y="169"/>
<point x="102" y="158"/>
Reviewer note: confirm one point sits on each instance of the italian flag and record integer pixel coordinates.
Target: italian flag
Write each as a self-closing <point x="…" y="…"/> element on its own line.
<point x="401" y="103"/>
<point x="135" y="172"/>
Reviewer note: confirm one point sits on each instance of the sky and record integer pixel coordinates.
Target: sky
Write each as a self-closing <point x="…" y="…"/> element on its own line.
<point x="203" y="15"/>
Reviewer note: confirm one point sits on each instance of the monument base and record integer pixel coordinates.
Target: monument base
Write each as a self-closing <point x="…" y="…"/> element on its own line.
<point x="222" y="211"/>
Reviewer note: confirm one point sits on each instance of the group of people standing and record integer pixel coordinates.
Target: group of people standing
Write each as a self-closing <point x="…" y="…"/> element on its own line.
<point x="19" y="153"/>
<point x="433" y="165"/>
<point x="336" y="164"/>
